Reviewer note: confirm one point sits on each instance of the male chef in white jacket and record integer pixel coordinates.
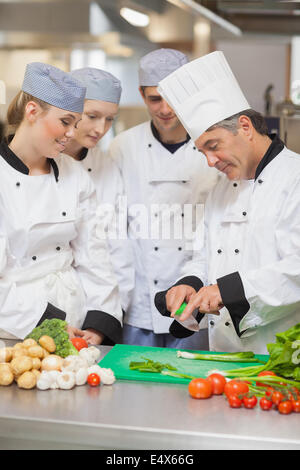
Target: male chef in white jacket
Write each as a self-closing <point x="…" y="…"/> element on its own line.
<point x="166" y="183"/>
<point x="247" y="276"/>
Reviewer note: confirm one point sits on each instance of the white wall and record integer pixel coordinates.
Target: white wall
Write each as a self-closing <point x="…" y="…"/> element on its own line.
<point x="257" y="62"/>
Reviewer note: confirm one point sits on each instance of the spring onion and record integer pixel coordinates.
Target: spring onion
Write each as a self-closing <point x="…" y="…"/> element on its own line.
<point x="246" y="356"/>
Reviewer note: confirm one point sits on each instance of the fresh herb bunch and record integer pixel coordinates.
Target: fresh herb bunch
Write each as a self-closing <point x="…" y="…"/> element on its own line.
<point x="56" y="329"/>
<point x="282" y="360"/>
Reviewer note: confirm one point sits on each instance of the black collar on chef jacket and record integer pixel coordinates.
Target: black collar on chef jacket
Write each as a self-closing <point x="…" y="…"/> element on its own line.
<point x="171" y="147"/>
<point x="274" y="149"/>
<point x="11" y="158"/>
<point x="83" y="153"/>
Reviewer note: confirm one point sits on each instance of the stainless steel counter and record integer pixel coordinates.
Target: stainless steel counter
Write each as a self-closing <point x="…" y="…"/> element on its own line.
<point x="136" y="415"/>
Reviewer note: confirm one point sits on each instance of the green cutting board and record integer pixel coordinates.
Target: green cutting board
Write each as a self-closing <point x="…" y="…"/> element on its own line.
<point x="120" y="356"/>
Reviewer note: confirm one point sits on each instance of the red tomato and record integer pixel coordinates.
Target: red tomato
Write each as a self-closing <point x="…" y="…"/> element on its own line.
<point x="269" y="391"/>
<point x="79" y="343"/>
<point x="235" y="387"/>
<point x="265" y="403"/>
<point x="234" y="401"/>
<point x="218" y="383"/>
<point x="296" y="405"/>
<point x="285" y="407"/>
<point x="250" y="402"/>
<point x="263" y="374"/>
<point x="93" y="380"/>
<point x="277" y="397"/>
<point x="200" y="388"/>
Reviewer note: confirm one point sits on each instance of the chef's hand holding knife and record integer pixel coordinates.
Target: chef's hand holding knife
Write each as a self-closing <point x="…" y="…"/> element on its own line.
<point x="206" y="300"/>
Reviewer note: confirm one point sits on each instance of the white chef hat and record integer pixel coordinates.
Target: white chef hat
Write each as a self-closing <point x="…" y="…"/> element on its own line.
<point x="100" y="85"/>
<point x="158" y="64"/>
<point x="203" y="93"/>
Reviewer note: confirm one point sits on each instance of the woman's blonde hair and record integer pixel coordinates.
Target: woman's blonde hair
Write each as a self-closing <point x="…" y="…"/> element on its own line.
<point x="16" y="111"/>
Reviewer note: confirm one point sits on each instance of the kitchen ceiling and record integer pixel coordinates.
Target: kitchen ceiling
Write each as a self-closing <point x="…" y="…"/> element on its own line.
<point x="279" y="17"/>
<point x="60" y="23"/>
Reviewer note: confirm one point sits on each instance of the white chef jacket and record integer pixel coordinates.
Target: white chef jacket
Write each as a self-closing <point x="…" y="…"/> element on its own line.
<point x="253" y="231"/>
<point x="160" y="187"/>
<point x="50" y="251"/>
<point x="112" y="209"/>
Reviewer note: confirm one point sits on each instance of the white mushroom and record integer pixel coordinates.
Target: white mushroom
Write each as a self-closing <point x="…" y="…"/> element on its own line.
<point x="95" y="369"/>
<point x="66" y="380"/>
<point x="54" y="374"/>
<point x="74" y="363"/>
<point x="81" y="376"/>
<point x="107" y="376"/>
<point x="88" y="356"/>
<point x="95" y="353"/>
<point x="44" y="381"/>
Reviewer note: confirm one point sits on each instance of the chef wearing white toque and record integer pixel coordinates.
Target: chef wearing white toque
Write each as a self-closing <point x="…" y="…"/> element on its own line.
<point x="247" y="276"/>
<point x="52" y="262"/>
<point x="166" y="181"/>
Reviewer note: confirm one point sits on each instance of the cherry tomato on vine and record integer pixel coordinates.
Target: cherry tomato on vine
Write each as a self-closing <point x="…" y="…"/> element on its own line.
<point x="265" y="403"/>
<point x="249" y="402"/>
<point x="200" y="388"/>
<point x="93" y="380"/>
<point x="277" y="397"/>
<point x="296" y="405"/>
<point x="234" y="401"/>
<point x="235" y="387"/>
<point x="79" y="343"/>
<point x="285" y="407"/>
<point x="263" y="374"/>
<point x="269" y="391"/>
<point x="218" y="383"/>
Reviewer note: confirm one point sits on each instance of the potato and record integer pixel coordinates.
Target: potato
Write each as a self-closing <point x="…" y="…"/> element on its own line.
<point x="29" y="342"/>
<point x="52" y="362"/>
<point x="37" y="373"/>
<point x="6" y="354"/>
<point x="36" y="363"/>
<point x="6" y="376"/>
<point x="47" y="343"/>
<point x="18" y="346"/>
<point x="21" y="364"/>
<point x="27" y="380"/>
<point x="35" y="351"/>
<point x="5" y="366"/>
<point x="19" y="352"/>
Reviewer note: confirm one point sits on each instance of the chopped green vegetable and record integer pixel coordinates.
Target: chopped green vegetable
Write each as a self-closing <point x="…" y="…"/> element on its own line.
<point x="56" y="329"/>
<point x="150" y="366"/>
<point x="246" y="356"/>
